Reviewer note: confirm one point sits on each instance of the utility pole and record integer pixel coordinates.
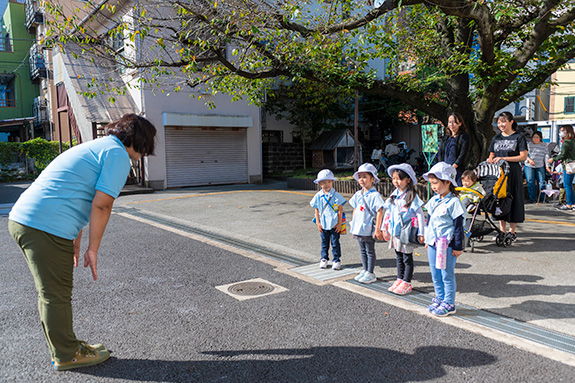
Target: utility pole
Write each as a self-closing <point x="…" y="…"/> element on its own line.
<point x="355" y="133"/>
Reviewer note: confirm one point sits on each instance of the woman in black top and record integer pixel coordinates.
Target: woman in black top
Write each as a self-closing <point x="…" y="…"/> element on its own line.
<point x="454" y="144"/>
<point x="510" y="146"/>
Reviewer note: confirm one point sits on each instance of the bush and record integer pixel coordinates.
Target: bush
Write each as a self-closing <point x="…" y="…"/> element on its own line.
<point x="38" y="149"/>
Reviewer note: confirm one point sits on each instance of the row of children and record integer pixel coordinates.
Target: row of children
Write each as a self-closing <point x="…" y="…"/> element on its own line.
<point x="395" y="220"/>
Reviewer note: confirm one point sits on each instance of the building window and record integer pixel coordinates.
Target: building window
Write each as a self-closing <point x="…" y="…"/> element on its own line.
<point x="272" y="136"/>
<point x="5" y="43"/>
<point x="569" y="105"/>
<point x="116" y="40"/>
<point x="7" y="96"/>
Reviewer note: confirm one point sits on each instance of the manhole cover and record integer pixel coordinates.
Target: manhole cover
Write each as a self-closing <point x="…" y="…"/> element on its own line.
<point x="251" y="288"/>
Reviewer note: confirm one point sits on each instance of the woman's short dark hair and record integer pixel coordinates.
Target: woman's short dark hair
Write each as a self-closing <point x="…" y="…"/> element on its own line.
<point x="539" y="134"/>
<point x="459" y="119"/>
<point x="570" y="134"/>
<point x="134" y="131"/>
<point x="509" y="117"/>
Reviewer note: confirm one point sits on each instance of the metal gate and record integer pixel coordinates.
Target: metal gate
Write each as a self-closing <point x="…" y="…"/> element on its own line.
<point x="206" y="156"/>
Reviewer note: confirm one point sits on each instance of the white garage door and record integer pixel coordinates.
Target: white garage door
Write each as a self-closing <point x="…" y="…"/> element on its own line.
<point x="206" y="156"/>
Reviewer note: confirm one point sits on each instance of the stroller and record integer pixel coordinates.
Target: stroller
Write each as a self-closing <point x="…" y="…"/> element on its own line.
<point x="496" y="202"/>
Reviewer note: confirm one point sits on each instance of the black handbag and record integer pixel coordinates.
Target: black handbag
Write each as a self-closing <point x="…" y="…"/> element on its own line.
<point x="409" y="234"/>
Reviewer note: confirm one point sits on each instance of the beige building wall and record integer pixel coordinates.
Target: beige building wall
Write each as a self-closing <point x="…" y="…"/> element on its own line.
<point x="563" y="89"/>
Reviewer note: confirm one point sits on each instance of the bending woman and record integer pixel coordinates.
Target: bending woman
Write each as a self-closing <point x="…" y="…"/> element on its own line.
<point x="46" y="222"/>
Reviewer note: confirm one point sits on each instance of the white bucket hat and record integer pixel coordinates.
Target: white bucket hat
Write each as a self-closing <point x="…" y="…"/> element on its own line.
<point x="325" y="175"/>
<point x="443" y="171"/>
<point x="406" y="168"/>
<point x="366" y="168"/>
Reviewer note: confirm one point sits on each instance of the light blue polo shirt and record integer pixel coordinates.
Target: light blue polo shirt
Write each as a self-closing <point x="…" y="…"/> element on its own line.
<point x="328" y="214"/>
<point x="442" y="214"/>
<point x="363" y="221"/>
<point x="60" y="200"/>
<point x="399" y="213"/>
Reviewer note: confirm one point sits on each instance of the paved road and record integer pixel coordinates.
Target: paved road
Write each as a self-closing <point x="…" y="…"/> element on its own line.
<point x="156" y="306"/>
<point x="531" y="281"/>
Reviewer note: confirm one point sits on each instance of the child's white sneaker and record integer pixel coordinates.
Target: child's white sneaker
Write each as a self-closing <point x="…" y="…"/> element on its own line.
<point x="368" y="278"/>
<point x="360" y="275"/>
<point x="336" y="265"/>
<point x="323" y="264"/>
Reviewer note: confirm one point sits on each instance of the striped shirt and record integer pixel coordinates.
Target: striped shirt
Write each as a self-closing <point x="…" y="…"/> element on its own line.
<point x="538" y="153"/>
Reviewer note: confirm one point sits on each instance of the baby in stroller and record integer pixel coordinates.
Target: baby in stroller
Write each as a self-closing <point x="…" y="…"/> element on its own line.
<point x="484" y="193"/>
<point x="472" y="190"/>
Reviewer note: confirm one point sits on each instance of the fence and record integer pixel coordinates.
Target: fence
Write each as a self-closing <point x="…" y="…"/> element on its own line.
<point x="385" y="187"/>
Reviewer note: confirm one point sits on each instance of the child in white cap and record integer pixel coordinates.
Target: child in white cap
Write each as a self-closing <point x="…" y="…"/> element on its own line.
<point x="367" y="217"/>
<point x="444" y="231"/>
<point x="328" y="217"/>
<point x="402" y="209"/>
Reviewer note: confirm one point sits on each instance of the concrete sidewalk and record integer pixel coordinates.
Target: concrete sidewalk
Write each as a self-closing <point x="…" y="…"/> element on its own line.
<point x="531" y="281"/>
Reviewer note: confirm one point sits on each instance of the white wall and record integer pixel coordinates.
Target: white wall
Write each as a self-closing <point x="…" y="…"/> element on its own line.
<point x="155" y="105"/>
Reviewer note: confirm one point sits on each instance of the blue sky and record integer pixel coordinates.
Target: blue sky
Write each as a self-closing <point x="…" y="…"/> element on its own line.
<point x="3" y="4"/>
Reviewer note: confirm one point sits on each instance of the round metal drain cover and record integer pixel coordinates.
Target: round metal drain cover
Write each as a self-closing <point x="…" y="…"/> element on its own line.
<point x="251" y="288"/>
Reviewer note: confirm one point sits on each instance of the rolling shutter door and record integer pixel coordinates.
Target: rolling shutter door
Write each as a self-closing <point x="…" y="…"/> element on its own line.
<point x="206" y="156"/>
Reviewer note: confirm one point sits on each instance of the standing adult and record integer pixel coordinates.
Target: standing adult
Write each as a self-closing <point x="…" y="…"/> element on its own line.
<point x="567" y="155"/>
<point x="537" y="156"/>
<point x="454" y="145"/>
<point x="510" y="146"/>
<point x="46" y="222"/>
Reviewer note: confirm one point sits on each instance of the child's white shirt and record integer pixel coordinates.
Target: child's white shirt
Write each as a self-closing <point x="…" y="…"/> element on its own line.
<point x="396" y="213"/>
<point x="362" y="223"/>
<point x="442" y="215"/>
<point x="328" y="214"/>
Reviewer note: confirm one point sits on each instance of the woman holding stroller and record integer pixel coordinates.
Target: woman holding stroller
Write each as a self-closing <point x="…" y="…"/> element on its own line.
<point x="510" y="146"/>
<point x="454" y="145"/>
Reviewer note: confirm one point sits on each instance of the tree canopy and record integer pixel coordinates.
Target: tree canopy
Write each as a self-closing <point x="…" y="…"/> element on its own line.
<point x="439" y="56"/>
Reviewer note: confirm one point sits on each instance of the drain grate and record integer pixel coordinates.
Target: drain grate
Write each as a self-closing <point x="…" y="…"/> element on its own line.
<point x="251" y="288"/>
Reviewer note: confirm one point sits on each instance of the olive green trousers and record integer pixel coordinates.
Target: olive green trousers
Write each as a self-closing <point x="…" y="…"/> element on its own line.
<point x="51" y="261"/>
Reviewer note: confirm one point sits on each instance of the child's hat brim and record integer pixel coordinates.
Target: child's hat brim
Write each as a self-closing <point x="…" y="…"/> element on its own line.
<point x="443" y="171"/>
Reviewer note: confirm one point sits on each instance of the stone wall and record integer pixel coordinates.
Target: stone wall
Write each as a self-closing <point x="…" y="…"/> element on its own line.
<point x="282" y="157"/>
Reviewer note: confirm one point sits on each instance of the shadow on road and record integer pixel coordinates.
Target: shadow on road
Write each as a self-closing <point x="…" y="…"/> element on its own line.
<point x="343" y="364"/>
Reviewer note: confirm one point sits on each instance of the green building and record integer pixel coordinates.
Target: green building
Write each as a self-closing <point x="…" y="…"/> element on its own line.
<point x="17" y="89"/>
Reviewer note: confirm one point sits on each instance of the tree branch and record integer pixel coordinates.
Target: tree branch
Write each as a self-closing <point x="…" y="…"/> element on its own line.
<point x="540" y="78"/>
<point x="387" y="6"/>
<point x="418" y="100"/>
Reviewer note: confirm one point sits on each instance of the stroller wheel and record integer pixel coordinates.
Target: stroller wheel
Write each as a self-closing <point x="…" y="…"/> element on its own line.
<point x="499" y="240"/>
<point x="507" y="240"/>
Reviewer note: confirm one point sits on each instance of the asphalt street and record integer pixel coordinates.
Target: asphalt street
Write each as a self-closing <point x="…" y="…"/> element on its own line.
<point x="157" y="307"/>
<point x="531" y="281"/>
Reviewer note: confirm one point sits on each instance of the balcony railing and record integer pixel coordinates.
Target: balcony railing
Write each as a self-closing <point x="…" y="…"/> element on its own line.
<point x="7" y="103"/>
<point x="37" y="63"/>
<point x="34" y="15"/>
<point x="40" y="110"/>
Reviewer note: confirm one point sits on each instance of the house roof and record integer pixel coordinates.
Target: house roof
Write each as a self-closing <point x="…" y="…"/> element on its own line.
<point x="78" y="78"/>
<point x="333" y="139"/>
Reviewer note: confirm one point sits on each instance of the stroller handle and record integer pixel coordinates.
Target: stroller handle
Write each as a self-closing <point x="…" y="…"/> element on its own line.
<point x="460" y="189"/>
